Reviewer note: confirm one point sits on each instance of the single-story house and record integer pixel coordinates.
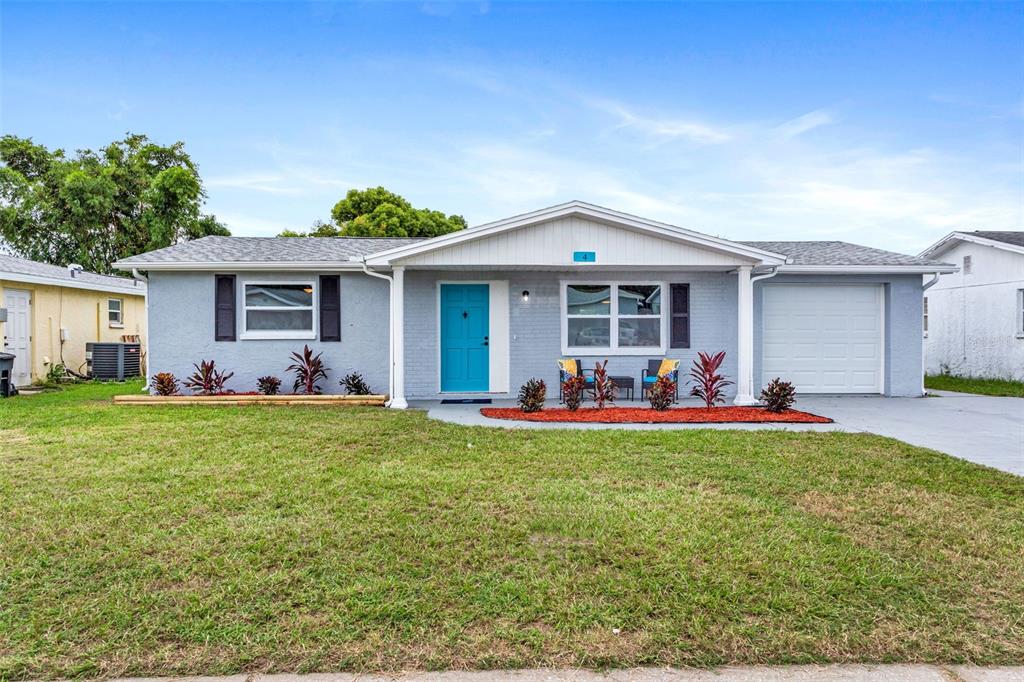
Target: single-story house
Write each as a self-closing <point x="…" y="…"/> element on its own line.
<point x="477" y="312"/>
<point x="51" y="313"/>
<point x="974" y="319"/>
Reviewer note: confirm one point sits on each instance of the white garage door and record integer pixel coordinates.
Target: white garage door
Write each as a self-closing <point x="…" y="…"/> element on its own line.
<point x="825" y="339"/>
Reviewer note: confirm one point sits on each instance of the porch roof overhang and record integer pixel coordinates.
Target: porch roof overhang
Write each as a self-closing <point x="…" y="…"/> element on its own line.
<point x="741" y="253"/>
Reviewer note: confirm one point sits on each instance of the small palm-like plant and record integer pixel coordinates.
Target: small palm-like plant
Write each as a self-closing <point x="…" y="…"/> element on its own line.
<point x="778" y="395"/>
<point x="268" y="385"/>
<point x="662" y="393"/>
<point x="165" y="383"/>
<point x="309" y="371"/>
<point x="355" y="384"/>
<point x="604" y="389"/>
<point x="572" y="392"/>
<point x="207" y="380"/>
<point x="708" y="384"/>
<point x="532" y="395"/>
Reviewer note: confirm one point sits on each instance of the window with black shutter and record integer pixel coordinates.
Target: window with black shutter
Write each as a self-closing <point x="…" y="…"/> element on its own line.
<point x="680" y="322"/>
<point x="224" y="308"/>
<point x="330" y="308"/>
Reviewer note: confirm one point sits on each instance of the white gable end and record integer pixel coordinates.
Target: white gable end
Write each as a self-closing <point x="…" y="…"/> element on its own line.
<point x="552" y="244"/>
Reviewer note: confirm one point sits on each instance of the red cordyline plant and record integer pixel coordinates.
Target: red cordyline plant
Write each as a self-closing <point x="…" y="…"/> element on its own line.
<point x="309" y="369"/>
<point x="604" y="389"/>
<point x="708" y="384"/>
<point x="206" y="380"/>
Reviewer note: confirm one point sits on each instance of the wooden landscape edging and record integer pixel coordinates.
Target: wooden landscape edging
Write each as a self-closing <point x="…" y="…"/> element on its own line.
<point x="333" y="400"/>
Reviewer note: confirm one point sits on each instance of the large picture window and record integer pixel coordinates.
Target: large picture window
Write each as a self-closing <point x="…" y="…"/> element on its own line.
<point x="278" y="310"/>
<point x="617" y="317"/>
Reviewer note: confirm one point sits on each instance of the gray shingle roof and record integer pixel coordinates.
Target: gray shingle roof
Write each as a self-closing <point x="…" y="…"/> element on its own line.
<point x="838" y="253"/>
<point x="20" y="266"/>
<point x="267" y="249"/>
<point x="335" y="249"/>
<point x="1007" y="236"/>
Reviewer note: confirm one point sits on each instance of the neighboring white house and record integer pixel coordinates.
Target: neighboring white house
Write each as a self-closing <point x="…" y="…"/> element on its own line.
<point x="974" y="319"/>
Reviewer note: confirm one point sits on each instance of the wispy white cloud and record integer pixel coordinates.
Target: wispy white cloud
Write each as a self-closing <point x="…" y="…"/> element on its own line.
<point x="809" y="121"/>
<point x="262" y="183"/>
<point x="664" y="127"/>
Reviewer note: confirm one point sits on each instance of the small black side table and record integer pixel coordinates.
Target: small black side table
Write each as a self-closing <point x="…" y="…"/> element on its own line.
<point x="626" y="384"/>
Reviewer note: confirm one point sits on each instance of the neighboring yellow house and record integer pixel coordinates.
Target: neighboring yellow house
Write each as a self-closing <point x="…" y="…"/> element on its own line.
<point x="52" y="312"/>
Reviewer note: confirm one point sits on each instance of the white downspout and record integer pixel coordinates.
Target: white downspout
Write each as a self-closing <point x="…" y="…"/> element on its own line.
<point x="391" y="332"/>
<point x="765" y="275"/>
<point x="927" y="285"/>
<point x="745" y="327"/>
<point x="145" y="341"/>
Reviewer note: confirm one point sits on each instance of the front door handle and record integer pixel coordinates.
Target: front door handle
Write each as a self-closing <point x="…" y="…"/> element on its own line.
<point x="487" y="340"/>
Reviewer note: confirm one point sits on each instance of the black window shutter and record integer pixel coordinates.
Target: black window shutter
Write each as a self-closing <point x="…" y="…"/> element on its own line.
<point x="224" y="308"/>
<point x="680" y="333"/>
<point x="330" y="308"/>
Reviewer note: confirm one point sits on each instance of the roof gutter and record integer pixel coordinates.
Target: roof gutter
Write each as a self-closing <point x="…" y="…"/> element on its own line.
<point x="943" y="268"/>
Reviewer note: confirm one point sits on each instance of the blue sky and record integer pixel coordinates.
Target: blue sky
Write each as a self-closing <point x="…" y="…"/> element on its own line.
<point x="888" y="125"/>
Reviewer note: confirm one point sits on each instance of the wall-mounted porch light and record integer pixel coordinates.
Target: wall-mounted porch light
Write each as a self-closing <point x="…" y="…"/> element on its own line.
<point x="526" y="296"/>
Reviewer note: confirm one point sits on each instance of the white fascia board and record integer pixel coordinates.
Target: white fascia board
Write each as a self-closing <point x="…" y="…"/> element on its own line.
<point x="586" y="210"/>
<point x="221" y="266"/>
<point x="139" y="290"/>
<point x="949" y="240"/>
<point x="943" y="268"/>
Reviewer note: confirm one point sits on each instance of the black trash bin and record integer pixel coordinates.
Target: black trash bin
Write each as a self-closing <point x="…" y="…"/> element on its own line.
<point x="6" y="375"/>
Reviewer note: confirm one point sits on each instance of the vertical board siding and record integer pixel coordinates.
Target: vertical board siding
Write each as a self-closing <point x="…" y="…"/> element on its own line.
<point x="552" y="244"/>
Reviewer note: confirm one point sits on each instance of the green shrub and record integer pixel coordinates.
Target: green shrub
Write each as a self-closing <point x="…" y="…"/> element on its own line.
<point x="355" y="384"/>
<point x="662" y="393"/>
<point x="572" y="392"/>
<point x="778" y="395"/>
<point x="165" y="383"/>
<point x="532" y="395"/>
<point x="268" y="385"/>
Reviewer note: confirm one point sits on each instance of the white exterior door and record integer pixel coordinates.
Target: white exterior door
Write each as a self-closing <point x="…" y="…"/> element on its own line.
<point x="823" y="338"/>
<point x="17" y="337"/>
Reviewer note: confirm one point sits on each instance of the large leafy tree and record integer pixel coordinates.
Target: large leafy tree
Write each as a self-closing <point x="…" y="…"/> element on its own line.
<point x="96" y="207"/>
<point x="378" y="212"/>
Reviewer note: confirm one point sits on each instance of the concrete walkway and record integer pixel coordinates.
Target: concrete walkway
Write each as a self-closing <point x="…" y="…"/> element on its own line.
<point x="982" y="429"/>
<point x="795" y="673"/>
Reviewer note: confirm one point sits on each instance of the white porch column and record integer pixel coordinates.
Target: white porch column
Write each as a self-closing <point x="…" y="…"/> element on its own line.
<point x="398" y="338"/>
<point x="745" y="345"/>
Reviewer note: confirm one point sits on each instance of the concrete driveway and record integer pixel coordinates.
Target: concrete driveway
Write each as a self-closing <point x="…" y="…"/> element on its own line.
<point x="978" y="428"/>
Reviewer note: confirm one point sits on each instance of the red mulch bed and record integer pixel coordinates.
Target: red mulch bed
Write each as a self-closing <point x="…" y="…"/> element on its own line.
<point x="642" y="415"/>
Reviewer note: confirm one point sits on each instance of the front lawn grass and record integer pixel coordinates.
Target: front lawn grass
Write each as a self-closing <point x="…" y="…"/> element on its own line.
<point x="998" y="387"/>
<point x="198" y="540"/>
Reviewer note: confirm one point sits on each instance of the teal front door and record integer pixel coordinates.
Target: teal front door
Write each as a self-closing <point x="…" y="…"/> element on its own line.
<point x="465" y="341"/>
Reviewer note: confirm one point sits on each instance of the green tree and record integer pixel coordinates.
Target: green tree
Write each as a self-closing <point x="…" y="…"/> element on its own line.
<point x="378" y="212"/>
<point x="131" y="196"/>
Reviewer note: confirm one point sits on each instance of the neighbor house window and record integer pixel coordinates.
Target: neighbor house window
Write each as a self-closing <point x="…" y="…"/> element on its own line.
<point x="619" y="317"/>
<point x="278" y="310"/>
<point x="1020" y="313"/>
<point x="924" y="317"/>
<point x="115" y="312"/>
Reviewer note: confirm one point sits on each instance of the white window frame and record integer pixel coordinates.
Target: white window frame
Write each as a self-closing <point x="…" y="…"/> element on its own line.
<point x="1020" y="314"/>
<point x="613" y="332"/>
<point x="258" y="334"/>
<point x="924" y="317"/>
<point x="120" y="313"/>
